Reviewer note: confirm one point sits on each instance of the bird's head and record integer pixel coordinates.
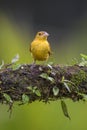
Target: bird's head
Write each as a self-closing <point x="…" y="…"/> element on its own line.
<point x="42" y="35"/>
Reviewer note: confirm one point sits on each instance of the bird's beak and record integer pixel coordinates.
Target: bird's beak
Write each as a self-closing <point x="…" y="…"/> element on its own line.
<point x="46" y="34"/>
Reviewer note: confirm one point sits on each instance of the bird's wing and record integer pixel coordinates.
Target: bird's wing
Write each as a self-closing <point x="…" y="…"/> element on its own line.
<point x="49" y="50"/>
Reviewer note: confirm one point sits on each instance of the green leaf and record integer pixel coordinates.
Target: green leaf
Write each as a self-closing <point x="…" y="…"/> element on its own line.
<point x="83" y="56"/>
<point x="25" y="98"/>
<point x="50" y="66"/>
<point x="37" y="92"/>
<point x="65" y="82"/>
<point x="83" y="60"/>
<point x="50" y="63"/>
<point x="30" y="88"/>
<point x="34" y="90"/>
<point x="64" y="109"/>
<point x="55" y="90"/>
<point x="66" y="86"/>
<point x="15" y="59"/>
<point x="46" y="76"/>
<point x="50" y="79"/>
<point x="63" y="78"/>
<point x="7" y="97"/>
<point x="2" y="64"/>
<point x="16" y="66"/>
<point x="75" y="61"/>
<point x="83" y="95"/>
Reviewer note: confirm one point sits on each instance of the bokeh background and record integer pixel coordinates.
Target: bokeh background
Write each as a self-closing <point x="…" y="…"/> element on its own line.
<point x="66" y="22"/>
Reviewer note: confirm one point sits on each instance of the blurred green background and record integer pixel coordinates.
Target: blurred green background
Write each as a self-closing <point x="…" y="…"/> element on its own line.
<point x="66" y="22"/>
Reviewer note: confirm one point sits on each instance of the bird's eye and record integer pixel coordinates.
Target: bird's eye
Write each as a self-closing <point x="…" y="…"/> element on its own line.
<point x="40" y="33"/>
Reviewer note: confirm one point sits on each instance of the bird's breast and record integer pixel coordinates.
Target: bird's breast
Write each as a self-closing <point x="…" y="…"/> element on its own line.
<point x="40" y="50"/>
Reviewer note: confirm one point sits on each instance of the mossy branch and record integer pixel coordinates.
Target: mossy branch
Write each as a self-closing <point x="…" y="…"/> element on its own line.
<point x="28" y="83"/>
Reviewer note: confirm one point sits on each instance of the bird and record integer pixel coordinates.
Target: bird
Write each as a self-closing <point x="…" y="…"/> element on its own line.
<point x="40" y="47"/>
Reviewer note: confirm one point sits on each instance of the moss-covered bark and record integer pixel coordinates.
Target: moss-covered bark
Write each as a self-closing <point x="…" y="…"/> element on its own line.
<point x="45" y="83"/>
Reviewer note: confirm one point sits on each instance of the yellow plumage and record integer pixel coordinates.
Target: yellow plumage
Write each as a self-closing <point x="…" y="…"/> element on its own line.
<point x="40" y="47"/>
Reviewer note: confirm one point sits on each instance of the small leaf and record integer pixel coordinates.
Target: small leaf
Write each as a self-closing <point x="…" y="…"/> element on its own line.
<point x="15" y="59"/>
<point x="64" y="108"/>
<point x="34" y="88"/>
<point x="37" y="92"/>
<point x="2" y="64"/>
<point x="66" y="86"/>
<point x="83" y="63"/>
<point x="84" y="96"/>
<point x="65" y="83"/>
<point x="74" y="61"/>
<point x="55" y="90"/>
<point x="63" y="78"/>
<point x="50" y="63"/>
<point x="83" y="56"/>
<point x="7" y="97"/>
<point x="46" y="76"/>
<point x="30" y="88"/>
<point x="25" y="98"/>
<point x="50" y="66"/>
<point x="16" y="66"/>
<point x="50" y="79"/>
<point x="40" y="68"/>
<point x="83" y="60"/>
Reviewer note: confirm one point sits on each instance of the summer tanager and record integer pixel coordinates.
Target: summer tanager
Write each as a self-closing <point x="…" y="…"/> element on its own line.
<point x="40" y="47"/>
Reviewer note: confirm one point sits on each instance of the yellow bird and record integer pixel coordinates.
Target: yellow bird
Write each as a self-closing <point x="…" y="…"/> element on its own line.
<point x="40" y="47"/>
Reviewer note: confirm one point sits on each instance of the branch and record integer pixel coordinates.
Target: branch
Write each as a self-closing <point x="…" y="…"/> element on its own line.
<point x="28" y="83"/>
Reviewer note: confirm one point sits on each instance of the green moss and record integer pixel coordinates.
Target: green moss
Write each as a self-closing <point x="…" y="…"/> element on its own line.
<point x="79" y="77"/>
